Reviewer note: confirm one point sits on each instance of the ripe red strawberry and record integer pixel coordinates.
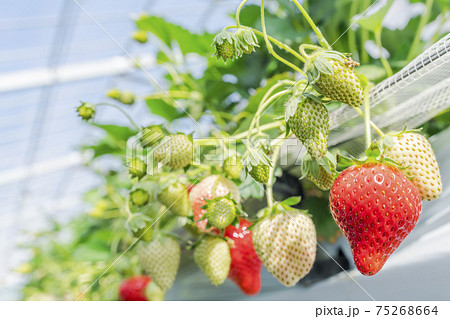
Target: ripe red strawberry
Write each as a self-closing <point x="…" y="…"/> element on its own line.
<point x="245" y="265"/>
<point x="210" y="187"/>
<point x="376" y="207"/>
<point x="133" y="289"/>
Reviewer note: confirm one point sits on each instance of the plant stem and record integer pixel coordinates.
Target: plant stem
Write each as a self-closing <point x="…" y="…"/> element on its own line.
<point x="364" y="36"/>
<point x="123" y="112"/>
<point x="262" y="106"/>
<point x="367" y="116"/>
<point x="270" y="48"/>
<point x="422" y="23"/>
<point x="351" y="33"/>
<point x="270" y="182"/>
<point x="238" y="11"/>
<point x="127" y="206"/>
<point x="269" y="92"/>
<point x="384" y="61"/>
<point x="262" y="128"/>
<point x="242" y="135"/>
<point x="323" y="42"/>
<point x="372" y="124"/>
<point x="278" y="43"/>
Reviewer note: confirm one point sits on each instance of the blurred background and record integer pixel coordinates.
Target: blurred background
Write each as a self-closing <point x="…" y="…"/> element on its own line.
<point x="58" y="229"/>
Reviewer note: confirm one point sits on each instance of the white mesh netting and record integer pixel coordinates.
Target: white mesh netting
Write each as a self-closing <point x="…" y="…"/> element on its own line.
<point x="412" y="96"/>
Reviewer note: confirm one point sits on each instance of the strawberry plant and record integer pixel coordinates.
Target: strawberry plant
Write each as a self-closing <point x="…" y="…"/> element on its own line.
<point x="192" y="192"/>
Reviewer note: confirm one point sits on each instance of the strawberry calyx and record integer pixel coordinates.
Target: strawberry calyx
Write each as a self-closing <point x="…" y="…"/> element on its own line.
<point x="139" y="226"/>
<point x="387" y="138"/>
<point x="246" y="40"/>
<point x="373" y="154"/>
<point x="319" y="63"/>
<point x="310" y="166"/>
<point x="279" y="208"/>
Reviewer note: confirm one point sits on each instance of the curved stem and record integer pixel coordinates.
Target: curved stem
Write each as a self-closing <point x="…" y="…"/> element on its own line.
<point x="384" y="61"/>
<point x="269" y="92"/>
<point x="127" y="206"/>
<point x="262" y="128"/>
<point x="367" y="117"/>
<point x="261" y="107"/>
<point x="422" y="23"/>
<point x="278" y="43"/>
<point x="123" y="112"/>
<point x="323" y="42"/>
<point x="238" y="11"/>
<point x="269" y="45"/>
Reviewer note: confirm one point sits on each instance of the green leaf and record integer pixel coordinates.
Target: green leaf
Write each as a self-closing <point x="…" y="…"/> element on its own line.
<point x="117" y="132"/>
<point x="374" y="22"/>
<point x="168" y="32"/>
<point x="291" y="201"/>
<point x="291" y="108"/>
<point x="164" y="109"/>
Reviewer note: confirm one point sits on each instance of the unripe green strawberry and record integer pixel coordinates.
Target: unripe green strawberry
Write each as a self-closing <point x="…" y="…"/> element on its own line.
<point x="232" y="167"/>
<point x="332" y="75"/>
<point x="246" y="40"/>
<point x="114" y="94"/>
<point x="324" y="180"/>
<point x="86" y="111"/>
<point x="220" y="211"/>
<point x="140" y="36"/>
<point x="260" y="173"/>
<point x="127" y="97"/>
<point x="225" y="45"/>
<point x="321" y="172"/>
<point x="160" y="259"/>
<point x="140" y="226"/>
<point x="210" y="187"/>
<point x="176" y="198"/>
<point x="150" y="135"/>
<point x="414" y="152"/>
<point x="137" y="168"/>
<point x="309" y="121"/>
<point x="212" y="255"/>
<point x="176" y="151"/>
<point x="153" y="292"/>
<point x="139" y="197"/>
<point x="286" y="245"/>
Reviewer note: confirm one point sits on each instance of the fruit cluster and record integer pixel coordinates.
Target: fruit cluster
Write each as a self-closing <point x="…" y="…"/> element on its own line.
<point x="376" y="201"/>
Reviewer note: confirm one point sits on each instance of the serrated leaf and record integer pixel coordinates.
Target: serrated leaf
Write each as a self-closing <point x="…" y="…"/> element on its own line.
<point x="169" y="33"/>
<point x="291" y="108"/>
<point x="324" y="66"/>
<point x="374" y="22"/>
